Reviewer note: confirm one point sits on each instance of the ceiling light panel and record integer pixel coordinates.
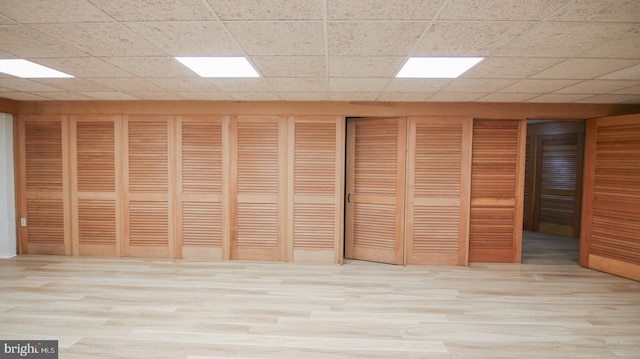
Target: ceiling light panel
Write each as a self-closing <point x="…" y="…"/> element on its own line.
<point x="219" y="66"/>
<point x="29" y="70"/>
<point x="437" y="67"/>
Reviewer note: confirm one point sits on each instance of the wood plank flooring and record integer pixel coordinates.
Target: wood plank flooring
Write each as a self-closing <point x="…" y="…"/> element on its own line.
<point x="132" y="308"/>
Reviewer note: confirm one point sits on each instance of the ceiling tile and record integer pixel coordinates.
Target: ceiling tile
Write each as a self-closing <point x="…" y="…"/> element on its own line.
<point x="90" y="38"/>
<point x="26" y="85"/>
<point x="304" y="96"/>
<point x="456" y="97"/>
<point x="241" y="84"/>
<point x="477" y="85"/>
<point x="468" y="38"/>
<point x="279" y="38"/>
<point x="23" y="41"/>
<point x="563" y="39"/>
<point x="128" y="84"/>
<point x="83" y="67"/>
<point x="6" y="21"/>
<point x="633" y="90"/>
<point x="355" y="66"/>
<point x="382" y="9"/>
<point x="373" y="38"/>
<point x="205" y="95"/>
<point x="599" y="11"/>
<point x="74" y="85"/>
<point x="254" y="96"/>
<point x="196" y="84"/>
<point x="499" y="9"/>
<point x="404" y="96"/>
<point x="630" y="73"/>
<point x="357" y="84"/>
<point x="110" y="96"/>
<point x="507" y="97"/>
<point x="538" y="86"/>
<point x="151" y="66"/>
<point x="299" y="84"/>
<point x="625" y="46"/>
<point x="38" y="11"/>
<point x="584" y="69"/>
<point x="195" y="38"/>
<point x="290" y="66"/>
<point x="557" y="98"/>
<point x="418" y="85"/>
<point x="598" y="87"/>
<point x="23" y="96"/>
<point x="156" y="95"/>
<point x="353" y="96"/>
<point x="267" y="9"/>
<point x="510" y="67"/>
<point x="155" y="10"/>
<point x="611" y="99"/>
<point x="63" y="96"/>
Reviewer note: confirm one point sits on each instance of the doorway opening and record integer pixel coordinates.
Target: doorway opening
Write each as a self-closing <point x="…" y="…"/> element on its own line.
<point x="553" y="191"/>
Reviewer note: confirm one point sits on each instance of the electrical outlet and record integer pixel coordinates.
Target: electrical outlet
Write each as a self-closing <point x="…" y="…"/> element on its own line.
<point x="23" y="222"/>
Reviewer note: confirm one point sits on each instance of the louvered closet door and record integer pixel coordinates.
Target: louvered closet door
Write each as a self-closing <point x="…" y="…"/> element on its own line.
<point x="316" y="177"/>
<point x="148" y="224"/>
<point x="44" y="185"/>
<point x="202" y="168"/>
<point x="611" y="197"/>
<point x="97" y="209"/>
<point x="376" y="153"/>
<point x="259" y="158"/>
<point x="495" y="232"/>
<point x="438" y="180"/>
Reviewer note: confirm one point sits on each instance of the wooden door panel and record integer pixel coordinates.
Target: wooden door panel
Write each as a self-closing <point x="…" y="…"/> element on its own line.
<point x="375" y="187"/>
<point x="148" y="218"/>
<point x="316" y="177"/>
<point x="202" y="171"/>
<point x="495" y="233"/>
<point x="611" y="199"/>
<point x="43" y="170"/>
<point x="259" y="179"/>
<point x="438" y="177"/>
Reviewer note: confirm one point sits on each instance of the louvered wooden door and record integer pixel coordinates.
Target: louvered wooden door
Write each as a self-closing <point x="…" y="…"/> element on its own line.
<point x="611" y="197"/>
<point x="495" y="228"/>
<point x="316" y="177"/>
<point x="45" y="186"/>
<point x="96" y="200"/>
<point x="438" y="186"/>
<point x="259" y="186"/>
<point x="148" y="213"/>
<point x="376" y="153"/>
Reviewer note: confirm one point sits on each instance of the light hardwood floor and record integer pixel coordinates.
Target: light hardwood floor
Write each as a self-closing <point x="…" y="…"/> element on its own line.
<point x="131" y="308"/>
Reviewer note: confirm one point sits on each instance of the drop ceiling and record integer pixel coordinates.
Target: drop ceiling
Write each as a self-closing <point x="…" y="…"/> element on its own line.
<point x="550" y="51"/>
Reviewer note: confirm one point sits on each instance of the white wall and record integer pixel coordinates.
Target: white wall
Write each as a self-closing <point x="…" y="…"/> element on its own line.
<point x="7" y="195"/>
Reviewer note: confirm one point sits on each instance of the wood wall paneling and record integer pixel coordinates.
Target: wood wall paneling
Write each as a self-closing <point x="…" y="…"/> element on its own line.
<point x="611" y="200"/>
<point x="376" y="155"/>
<point x="495" y="233"/>
<point x="316" y="188"/>
<point x="438" y="190"/>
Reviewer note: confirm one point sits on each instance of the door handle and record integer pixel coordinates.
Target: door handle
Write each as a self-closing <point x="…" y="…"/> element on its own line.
<point x="349" y="198"/>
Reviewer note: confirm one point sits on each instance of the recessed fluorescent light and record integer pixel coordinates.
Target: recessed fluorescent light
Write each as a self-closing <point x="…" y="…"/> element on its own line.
<point x="219" y="66"/>
<point x="27" y="69"/>
<point x="437" y="67"/>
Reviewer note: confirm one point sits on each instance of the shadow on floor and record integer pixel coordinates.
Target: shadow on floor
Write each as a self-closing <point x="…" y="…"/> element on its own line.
<point x="540" y="248"/>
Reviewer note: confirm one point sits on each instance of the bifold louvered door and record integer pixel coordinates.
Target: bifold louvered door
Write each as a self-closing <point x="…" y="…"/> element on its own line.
<point x="495" y="228"/>
<point x="96" y="204"/>
<point x="376" y="153"/>
<point x="611" y="196"/>
<point x="258" y="188"/>
<point x="438" y="168"/>
<point x="148" y="224"/>
<point x="202" y="186"/>
<point x="316" y="187"/>
<point x="44" y="182"/>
